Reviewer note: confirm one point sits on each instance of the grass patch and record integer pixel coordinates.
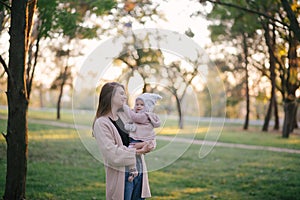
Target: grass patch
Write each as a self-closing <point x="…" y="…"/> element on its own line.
<point x="60" y="168"/>
<point x="229" y="174"/>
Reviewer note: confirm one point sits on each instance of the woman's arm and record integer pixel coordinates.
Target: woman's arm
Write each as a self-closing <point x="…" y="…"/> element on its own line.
<point x="116" y="155"/>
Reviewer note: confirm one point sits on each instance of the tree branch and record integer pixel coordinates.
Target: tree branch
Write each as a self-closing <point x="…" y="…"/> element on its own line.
<point x="4" y="135"/>
<point x="294" y="26"/>
<point x="5" y="67"/>
<point x="6" y="5"/>
<point x="247" y="10"/>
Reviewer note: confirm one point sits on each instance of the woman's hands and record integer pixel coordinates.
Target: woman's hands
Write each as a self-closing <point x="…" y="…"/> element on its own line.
<point x="142" y="147"/>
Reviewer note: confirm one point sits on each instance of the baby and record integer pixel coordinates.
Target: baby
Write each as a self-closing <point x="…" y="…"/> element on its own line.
<point x="143" y="122"/>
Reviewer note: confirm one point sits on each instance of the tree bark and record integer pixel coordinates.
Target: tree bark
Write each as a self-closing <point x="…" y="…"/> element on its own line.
<point x="292" y="84"/>
<point x="273" y="79"/>
<point x="246" y="123"/>
<point x="180" y="120"/>
<point x="289" y="114"/>
<point x="61" y="91"/>
<point x="16" y="137"/>
<point x="276" y="124"/>
<point x="295" y="117"/>
<point x="271" y="46"/>
<point x="31" y="67"/>
<point x="268" y="115"/>
<point x="294" y="25"/>
<point x="63" y="82"/>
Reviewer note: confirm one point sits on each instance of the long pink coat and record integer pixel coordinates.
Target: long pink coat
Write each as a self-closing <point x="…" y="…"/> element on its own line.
<point x="116" y="156"/>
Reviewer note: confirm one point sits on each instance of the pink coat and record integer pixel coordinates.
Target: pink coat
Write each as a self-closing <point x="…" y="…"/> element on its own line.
<point x="115" y="157"/>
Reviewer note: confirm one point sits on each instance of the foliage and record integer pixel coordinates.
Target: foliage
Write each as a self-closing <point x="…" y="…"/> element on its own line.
<point x="67" y="17"/>
<point x="273" y="21"/>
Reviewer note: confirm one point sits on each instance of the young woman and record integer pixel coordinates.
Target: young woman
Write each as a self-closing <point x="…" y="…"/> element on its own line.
<point x="113" y="142"/>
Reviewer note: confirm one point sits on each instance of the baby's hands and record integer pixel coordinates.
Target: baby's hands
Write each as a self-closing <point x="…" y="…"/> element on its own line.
<point x="138" y="145"/>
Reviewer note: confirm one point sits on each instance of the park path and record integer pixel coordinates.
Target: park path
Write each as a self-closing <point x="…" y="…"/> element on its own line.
<point x="179" y="139"/>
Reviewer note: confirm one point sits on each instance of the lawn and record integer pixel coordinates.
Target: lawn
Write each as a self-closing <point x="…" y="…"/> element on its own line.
<point x="61" y="168"/>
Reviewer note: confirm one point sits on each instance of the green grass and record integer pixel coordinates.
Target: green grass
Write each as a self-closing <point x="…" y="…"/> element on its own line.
<point x="229" y="174"/>
<point x="253" y="136"/>
<point x="60" y="168"/>
<point x="230" y="133"/>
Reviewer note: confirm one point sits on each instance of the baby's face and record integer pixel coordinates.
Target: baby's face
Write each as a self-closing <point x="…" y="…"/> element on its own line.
<point x="139" y="105"/>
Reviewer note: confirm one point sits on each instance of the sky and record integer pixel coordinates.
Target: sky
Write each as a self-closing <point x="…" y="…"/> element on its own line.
<point x="178" y="19"/>
<point x="177" y="13"/>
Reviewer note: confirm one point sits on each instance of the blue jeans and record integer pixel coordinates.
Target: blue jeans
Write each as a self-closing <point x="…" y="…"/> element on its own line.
<point x="133" y="190"/>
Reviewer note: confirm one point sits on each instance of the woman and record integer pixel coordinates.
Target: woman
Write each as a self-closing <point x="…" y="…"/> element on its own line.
<point x="113" y="143"/>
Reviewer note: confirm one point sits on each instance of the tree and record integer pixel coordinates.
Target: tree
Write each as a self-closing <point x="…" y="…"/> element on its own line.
<point x="178" y="79"/>
<point x="149" y="64"/>
<point x="18" y="93"/>
<point x="66" y="19"/>
<point x="270" y="39"/>
<point x="235" y="25"/>
<point x="65" y="76"/>
<point x="137" y="57"/>
<point x="292" y="84"/>
<point x="17" y="96"/>
<point x="288" y="64"/>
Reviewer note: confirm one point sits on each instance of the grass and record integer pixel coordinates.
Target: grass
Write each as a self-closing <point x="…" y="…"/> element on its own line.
<point x="230" y="132"/>
<point x="60" y="168"/>
<point x="229" y="174"/>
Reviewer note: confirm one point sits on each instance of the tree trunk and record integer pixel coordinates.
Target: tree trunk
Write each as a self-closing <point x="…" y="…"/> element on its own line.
<point x="273" y="78"/>
<point x="17" y="145"/>
<point x="246" y="123"/>
<point x="16" y="137"/>
<point x="268" y="115"/>
<point x="289" y="114"/>
<point x="271" y="45"/>
<point x="61" y="91"/>
<point x="276" y="124"/>
<point x="290" y="103"/>
<point x="32" y="57"/>
<point x="294" y="25"/>
<point x="270" y="41"/>
<point x="59" y="102"/>
<point x="180" y="118"/>
<point x="295" y="118"/>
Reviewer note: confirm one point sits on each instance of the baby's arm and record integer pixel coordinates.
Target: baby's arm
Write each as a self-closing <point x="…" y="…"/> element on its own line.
<point x="151" y="144"/>
<point x="154" y="119"/>
<point x="135" y="117"/>
<point x="145" y="146"/>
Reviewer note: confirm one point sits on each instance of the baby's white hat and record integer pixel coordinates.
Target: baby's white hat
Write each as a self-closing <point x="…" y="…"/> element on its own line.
<point x="149" y="100"/>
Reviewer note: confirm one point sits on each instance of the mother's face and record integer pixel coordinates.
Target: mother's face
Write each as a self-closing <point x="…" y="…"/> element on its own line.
<point x="119" y="97"/>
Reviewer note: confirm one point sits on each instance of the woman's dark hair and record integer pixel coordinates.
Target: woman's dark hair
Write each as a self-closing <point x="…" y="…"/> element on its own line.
<point x="104" y="104"/>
